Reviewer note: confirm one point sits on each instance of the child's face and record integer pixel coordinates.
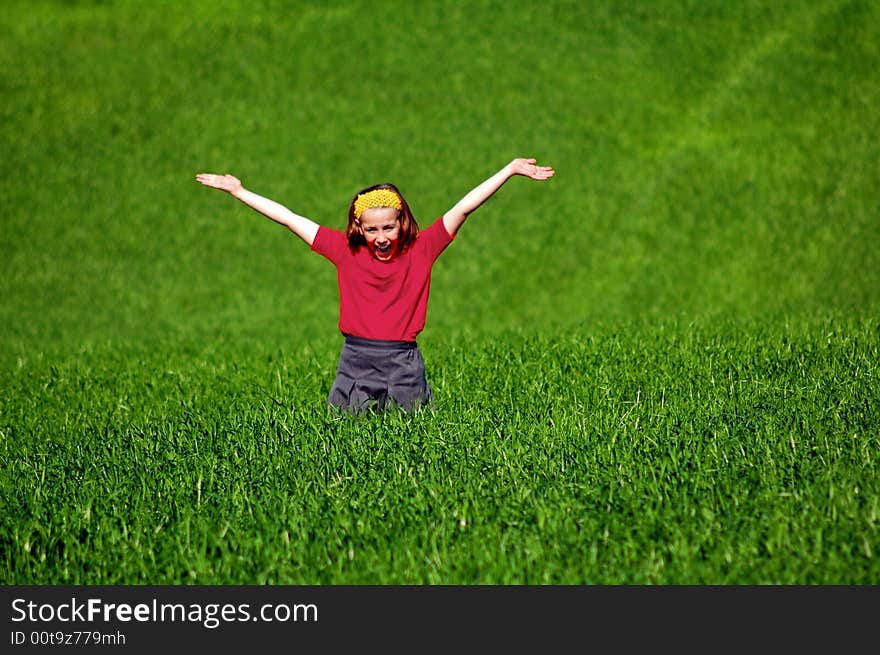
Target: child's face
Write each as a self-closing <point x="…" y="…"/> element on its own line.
<point x="381" y="228"/>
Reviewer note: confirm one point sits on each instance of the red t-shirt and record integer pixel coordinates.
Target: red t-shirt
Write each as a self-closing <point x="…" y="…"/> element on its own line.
<point x="383" y="300"/>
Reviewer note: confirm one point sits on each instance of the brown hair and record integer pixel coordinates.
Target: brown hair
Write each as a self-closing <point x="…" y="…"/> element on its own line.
<point x="409" y="228"/>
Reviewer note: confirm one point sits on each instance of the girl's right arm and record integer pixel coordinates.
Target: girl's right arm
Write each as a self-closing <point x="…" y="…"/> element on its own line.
<point x="301" y="226"/>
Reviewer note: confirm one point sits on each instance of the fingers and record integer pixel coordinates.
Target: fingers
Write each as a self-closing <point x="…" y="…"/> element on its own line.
<point x="543" y="173"/>
<point x="215" y="181"/>
<point x="528" y="166"/>
<point x="208" y="179"/>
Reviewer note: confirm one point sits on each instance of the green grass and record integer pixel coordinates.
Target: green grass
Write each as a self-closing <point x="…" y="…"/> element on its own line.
<point x="674" y="455"/>
<point x="658" y="367"/>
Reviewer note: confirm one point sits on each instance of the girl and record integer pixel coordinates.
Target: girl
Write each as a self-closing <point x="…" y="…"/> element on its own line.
<point x="383" y="264"/>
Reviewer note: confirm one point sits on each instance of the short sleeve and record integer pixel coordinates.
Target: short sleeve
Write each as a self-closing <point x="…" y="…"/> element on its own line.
<point x="434" y="239"/>
<point x="330" y="243"/>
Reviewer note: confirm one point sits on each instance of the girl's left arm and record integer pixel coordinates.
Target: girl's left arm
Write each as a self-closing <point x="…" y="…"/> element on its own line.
<point x="453" y="219"/>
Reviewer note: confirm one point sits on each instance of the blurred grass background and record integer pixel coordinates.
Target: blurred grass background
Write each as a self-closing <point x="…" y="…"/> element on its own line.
<point x="713" y="159"/>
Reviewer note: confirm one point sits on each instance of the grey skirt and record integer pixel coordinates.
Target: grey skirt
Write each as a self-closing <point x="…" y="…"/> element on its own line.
<point x="374" y="374"/>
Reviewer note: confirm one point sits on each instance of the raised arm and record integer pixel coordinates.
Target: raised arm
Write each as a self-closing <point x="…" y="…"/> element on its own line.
<point x="301" y="226"/>
<point x="453" y="219"/>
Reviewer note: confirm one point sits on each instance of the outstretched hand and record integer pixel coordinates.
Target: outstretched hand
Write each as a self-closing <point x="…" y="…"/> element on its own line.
<point x="527" y="167"/>
<point x="228" y="183"/>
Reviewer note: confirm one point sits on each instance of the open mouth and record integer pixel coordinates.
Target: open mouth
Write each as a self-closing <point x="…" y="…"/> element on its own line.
<point x="384" y="249"/>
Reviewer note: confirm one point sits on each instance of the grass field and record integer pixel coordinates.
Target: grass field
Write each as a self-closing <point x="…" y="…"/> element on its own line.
<point x="659" y="367"/>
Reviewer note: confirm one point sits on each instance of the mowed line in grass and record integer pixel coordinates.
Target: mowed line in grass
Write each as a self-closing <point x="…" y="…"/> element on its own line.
<point x="712" y="161"/>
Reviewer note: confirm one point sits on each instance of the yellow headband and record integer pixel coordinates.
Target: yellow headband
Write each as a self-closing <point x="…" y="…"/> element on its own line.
<point x="376" y="198"/>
